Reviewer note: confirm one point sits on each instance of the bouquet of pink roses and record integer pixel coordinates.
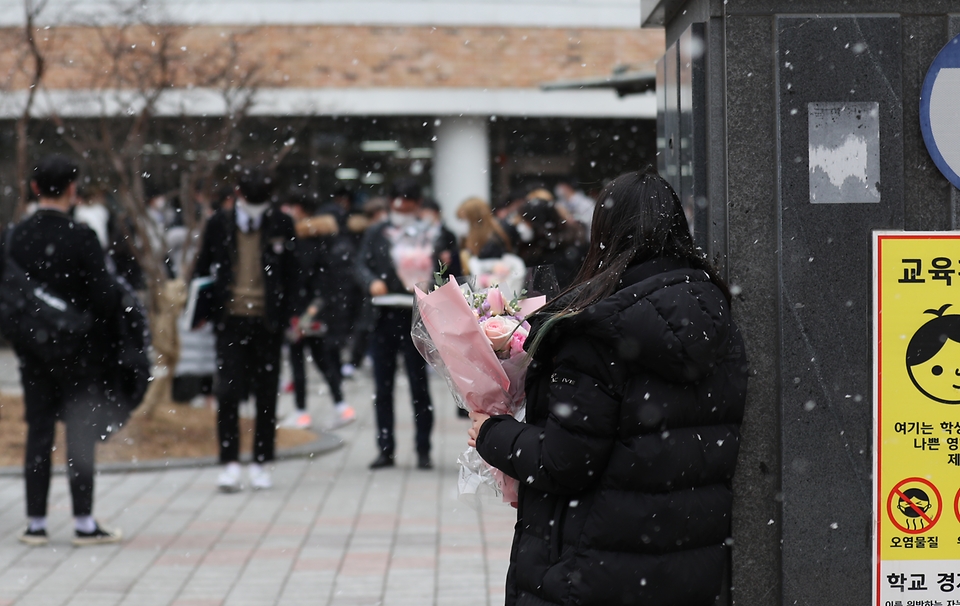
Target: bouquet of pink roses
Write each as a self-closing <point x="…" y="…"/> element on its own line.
<point x="474" y="340"/>
<point x="507" y="273"/>
<point x="412" y="251"/>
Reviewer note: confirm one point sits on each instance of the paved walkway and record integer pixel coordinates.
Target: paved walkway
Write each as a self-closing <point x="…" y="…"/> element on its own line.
<point x="330" y="532"/>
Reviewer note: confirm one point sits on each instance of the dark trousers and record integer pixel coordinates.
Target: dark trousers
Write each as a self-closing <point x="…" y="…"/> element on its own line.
<point x="248" y="359"/>
<point x="326" y="355"/>
<point x="392" y="336"/>
<point x="359" y="347"/>
<point x="362" y="328"/>
<point x="49" y="395"/>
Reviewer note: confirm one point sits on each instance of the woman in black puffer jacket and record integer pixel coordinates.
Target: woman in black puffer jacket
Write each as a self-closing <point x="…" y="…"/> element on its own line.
<point x="634" y="400"/>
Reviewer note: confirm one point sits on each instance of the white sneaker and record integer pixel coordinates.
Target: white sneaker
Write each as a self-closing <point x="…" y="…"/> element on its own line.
<point x="229" y="479"/>
<point x="297" y="420"/>
<point x="259" y="477"/>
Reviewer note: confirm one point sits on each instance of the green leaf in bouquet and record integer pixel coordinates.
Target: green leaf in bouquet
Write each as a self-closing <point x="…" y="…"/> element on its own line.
<point x="438" y="275"/>
<point x="515" y="302"/>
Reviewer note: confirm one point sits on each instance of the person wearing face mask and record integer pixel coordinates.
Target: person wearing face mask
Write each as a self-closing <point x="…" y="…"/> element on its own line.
<point x="577" y="204"/>
<point x="395" y="254"/>
<point x="249" y="251"/>
<point x="507" y="214"/>
<point x="446" y="240"/>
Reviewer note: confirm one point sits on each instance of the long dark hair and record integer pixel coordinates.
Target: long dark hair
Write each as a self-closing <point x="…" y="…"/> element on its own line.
<point x="638" y="217"/>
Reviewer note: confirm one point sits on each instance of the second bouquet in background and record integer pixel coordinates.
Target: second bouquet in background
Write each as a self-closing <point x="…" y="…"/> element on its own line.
<point x="474" y="339"/>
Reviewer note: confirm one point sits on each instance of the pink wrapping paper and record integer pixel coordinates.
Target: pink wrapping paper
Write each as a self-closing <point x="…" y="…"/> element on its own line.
<point x="455" y="345"/>
<point x="473" y="367"/>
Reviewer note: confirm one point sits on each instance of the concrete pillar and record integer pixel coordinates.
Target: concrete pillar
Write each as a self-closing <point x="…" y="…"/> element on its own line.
<point x="461" y="164"/>
<point x="802" y="269"/>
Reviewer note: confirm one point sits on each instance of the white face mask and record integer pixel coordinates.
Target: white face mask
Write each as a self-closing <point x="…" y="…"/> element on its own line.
<point x="402" y="219"/>
<point x="525" y="231"/>
<point x="254" y="210"/>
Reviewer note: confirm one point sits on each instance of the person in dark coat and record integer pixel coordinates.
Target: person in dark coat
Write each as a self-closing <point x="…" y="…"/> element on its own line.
<point x="554" y="239"/>
<point x="249" y="250"/>
<point x="423" y="246"/>
<point x="374" y="211"/>
<point x="65" y="257"/>
<point x="635" y="394"/>
<point x="446" y="241"/>
<point x="326" y="289"/>
<point x="507" y="213"/>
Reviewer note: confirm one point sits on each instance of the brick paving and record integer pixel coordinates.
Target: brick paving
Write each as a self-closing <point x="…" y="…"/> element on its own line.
<point x="330" y="532"/>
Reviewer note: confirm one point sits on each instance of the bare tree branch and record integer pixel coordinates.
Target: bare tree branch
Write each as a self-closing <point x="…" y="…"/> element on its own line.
<point x="38" y="67"/>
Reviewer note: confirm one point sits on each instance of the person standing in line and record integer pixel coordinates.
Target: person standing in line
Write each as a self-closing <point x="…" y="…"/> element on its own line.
<point x="374" y="211"/>
<point x="506" y="211"/>
<point x="635" y="395"/>
<point x="249" y="250"/>
<point x="577" y="204"/>
<point x="66" y="258"/>
<point x="394" y="256"/>
<point x="485" y="238"/>
<point x="446" y="240"/>
<point x="325" y="261"/>
<point x="553" y="239"/>
<point x="91" y="211"/>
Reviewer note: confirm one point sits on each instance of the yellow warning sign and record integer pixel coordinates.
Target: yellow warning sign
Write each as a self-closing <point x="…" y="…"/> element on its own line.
<point x="916" y="417"/>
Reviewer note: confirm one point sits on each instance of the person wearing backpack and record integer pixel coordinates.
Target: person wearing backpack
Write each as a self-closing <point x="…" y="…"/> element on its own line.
<point x="62" y="382"/>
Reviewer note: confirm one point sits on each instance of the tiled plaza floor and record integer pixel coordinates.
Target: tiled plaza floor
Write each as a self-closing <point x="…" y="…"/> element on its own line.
<point x="330" y="532"/>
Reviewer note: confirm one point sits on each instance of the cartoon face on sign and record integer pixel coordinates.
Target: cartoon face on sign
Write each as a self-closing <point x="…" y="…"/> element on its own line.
<point x="933" y="357"/>
<point x="918" y="504"/>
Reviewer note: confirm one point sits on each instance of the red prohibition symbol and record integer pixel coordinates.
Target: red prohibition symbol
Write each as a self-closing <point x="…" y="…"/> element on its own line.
<point x="912" y="510"/>
<point x="956" y="505"/>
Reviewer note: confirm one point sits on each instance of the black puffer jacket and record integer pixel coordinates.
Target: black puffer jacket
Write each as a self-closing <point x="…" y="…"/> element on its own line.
<point x="630" y="442"/>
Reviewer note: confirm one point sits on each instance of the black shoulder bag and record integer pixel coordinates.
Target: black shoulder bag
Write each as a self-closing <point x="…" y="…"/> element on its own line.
<point x="36" y="321"/>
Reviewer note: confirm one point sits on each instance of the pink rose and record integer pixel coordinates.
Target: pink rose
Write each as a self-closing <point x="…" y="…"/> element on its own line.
<point x="517" y="340"/>
<point x="499" y="330"/>
<point x="495" y="300"/>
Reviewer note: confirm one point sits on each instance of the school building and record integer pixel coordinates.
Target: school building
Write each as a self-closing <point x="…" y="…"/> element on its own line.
<point x="474" y="96"/>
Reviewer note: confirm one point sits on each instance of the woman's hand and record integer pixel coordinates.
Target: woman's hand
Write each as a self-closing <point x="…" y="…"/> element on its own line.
<point x="478" y="419"/>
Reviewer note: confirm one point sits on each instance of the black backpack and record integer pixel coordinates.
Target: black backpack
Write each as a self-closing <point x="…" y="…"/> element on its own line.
<point x="36" y="321"/>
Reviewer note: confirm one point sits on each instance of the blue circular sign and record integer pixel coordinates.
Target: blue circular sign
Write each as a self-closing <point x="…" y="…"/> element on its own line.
<point x="940" y="111"/>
